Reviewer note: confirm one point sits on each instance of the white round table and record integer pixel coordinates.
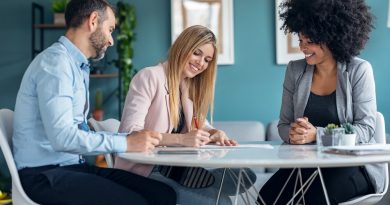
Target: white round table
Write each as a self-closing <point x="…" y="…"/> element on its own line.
<point x="276" y="155"/>
<point x="273" y="155"/>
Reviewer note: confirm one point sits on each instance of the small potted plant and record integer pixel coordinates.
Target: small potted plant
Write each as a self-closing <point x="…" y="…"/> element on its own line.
<point x="58" y="7"/>
<point x="98" y="112"/>
<point x="331" y="135"/>
<point x="349" y="137"/>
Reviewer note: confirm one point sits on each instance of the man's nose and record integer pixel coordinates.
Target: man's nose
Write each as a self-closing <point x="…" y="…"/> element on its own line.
<point x="111" y="41"/>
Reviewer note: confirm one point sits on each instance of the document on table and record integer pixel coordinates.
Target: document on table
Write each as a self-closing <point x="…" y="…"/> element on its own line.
<point x="371" y="149"/>
<point x="197" y="150"/>
<point x="239" y="146"/>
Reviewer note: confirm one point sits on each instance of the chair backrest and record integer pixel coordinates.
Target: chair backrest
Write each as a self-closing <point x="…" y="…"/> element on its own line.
<point x="380" y="130"/>
<point x="242" y="130"/>
<point x="6" y="132"/>
<point x="109" y="125"/>
<point x="272" y="132"/>
<point x="380" y="138"/>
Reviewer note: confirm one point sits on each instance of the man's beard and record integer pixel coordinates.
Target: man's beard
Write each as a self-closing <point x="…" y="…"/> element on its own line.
<point x="98" y="42"/>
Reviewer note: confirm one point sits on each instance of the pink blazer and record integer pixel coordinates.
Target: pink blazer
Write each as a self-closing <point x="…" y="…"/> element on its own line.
<point x="147" y="108"/>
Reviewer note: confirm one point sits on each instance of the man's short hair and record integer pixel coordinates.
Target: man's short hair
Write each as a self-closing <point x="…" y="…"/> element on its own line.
<point x="79" y="10"/>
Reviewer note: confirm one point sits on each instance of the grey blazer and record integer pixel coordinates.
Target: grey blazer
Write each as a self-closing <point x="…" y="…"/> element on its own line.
<point x="355" y="99"/>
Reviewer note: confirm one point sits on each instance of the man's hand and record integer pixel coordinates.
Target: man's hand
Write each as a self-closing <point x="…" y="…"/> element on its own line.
<point x="143" y="141"/>
<point x="302" y="132"/>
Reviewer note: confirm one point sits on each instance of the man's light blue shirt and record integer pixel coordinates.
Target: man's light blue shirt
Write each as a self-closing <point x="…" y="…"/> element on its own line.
<point x="50" y="105"/>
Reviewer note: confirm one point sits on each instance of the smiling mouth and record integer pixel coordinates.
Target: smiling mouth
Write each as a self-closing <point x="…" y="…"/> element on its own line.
<point x="194" y="68"/>
<point x="309" y="55"/>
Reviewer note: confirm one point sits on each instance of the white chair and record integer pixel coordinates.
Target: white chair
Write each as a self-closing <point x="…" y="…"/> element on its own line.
<point x="19" y="197"/>
<point x="380" y="137"/>
<point x="109" y="125"/>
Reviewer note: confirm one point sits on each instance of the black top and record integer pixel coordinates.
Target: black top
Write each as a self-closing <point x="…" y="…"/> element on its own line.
<point x="322" y="110"/>
<point x="181" y="123"/>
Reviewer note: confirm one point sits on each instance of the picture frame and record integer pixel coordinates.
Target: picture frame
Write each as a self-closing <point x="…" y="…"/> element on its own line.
<point x="217" y="15"/>
<point x="388" y="16"/>
<point x="287" y="45"/>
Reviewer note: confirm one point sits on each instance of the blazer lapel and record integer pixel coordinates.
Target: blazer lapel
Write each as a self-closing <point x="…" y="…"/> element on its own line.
<point x="303" y="91"/>
<point x="170" y="126"/>
<point x="343" y="95"/>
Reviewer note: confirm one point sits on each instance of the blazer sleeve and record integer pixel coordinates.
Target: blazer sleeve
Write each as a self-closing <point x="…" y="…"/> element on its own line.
<point x="138" y="100"/>
<point x="287" y="107"/>
<point x="364" y="102"/>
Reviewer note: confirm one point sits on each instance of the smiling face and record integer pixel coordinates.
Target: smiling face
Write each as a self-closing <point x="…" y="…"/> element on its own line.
<point x="198" y="61"/>
<point x="101" y="38"/>
<point x="314" y="53"/>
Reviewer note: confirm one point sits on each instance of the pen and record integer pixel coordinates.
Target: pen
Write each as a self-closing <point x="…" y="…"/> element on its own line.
<point x="196" y="122"/>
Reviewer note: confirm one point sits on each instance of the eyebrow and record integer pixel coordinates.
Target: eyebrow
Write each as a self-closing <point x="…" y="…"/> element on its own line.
<point x="200" y="50"/>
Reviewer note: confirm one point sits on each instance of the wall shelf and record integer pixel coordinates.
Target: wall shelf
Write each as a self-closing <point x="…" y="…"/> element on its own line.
<point x="49" y="26"/>
<point x="104" y="75"/>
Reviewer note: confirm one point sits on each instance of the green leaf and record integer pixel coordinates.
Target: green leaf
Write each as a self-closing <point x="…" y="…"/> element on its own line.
<point x="59" y="6"/>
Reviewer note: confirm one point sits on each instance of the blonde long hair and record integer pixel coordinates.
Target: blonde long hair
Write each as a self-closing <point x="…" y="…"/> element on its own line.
<point x="202" y="86"/>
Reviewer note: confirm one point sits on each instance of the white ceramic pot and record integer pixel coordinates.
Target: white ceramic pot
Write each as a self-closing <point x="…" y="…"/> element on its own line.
<point x="59" y="18"/>
<point x="348" y="140"/>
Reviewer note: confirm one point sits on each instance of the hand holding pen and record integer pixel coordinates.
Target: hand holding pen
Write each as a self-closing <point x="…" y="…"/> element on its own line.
<point x="196" y="137"/>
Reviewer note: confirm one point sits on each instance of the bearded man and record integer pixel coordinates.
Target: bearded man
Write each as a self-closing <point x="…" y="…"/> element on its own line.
<point x="50" y="129"/>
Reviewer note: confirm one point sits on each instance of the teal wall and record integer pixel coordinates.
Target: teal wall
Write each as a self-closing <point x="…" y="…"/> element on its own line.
<point x="248" y="90"/>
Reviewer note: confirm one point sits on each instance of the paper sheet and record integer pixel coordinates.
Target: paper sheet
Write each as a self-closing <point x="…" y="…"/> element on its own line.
<point x="239" y="146"/>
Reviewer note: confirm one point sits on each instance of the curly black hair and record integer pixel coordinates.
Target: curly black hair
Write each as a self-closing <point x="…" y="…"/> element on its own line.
<point x="342" y="25"/>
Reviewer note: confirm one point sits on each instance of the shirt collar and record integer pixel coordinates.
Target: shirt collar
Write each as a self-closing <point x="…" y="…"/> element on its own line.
<point x="75" y="52"/>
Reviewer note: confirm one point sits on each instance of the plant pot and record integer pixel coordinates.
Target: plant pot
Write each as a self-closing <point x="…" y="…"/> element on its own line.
<point x="59" y="18"/>
<point x="100" y="161"/>
<point x="98" y="114"/>
<point x="348" y="140"/>
<point x="333" y="138"/>
<point x="326" y="140"/>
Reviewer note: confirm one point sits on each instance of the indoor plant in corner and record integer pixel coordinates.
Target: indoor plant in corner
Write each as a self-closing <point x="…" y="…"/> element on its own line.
<point x="125" y="38"/>
<point x="58" y="7"/>
<point x="349" y="137"/>
<point x="98" y="112"/>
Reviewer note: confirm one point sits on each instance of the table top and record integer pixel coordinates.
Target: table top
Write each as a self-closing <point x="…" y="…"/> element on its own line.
<point x="268" y="154"/>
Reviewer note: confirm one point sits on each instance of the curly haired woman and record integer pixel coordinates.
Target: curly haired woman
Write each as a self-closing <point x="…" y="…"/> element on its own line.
<point x="331" y="85"/>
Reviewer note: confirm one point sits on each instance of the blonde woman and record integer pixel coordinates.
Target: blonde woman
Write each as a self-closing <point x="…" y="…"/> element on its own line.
<point x="173" y="99"/>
